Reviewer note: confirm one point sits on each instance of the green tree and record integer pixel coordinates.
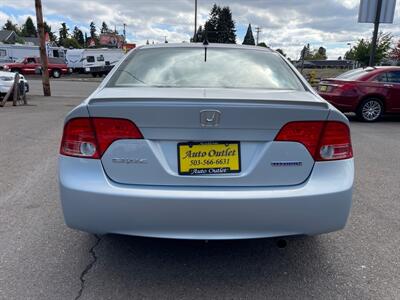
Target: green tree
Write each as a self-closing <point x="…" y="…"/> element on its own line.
<point x="78" y="36"/>
<point x="63" y="33"/>
<point x="361" y="51"/>
<point x="263" y="44"/>
<point x="71" y="42"/>
<point x="249" y="38"/>
<point x="199" y="35"/>
<point x="306" y="53"/>
<point x="93" y="33"/>
<point x="226" y="27"/>
<point x="281" y="52"/>
<point x="210" y="26"/>
<point x="104" y="28"/>
<point x="85" y="41"/>
<point x="320" y="54"/>
<point x="220" y="27"/>
<point x="28" y="28"/>
<point x="47" y="29"/>
<point x="9" y="25"/>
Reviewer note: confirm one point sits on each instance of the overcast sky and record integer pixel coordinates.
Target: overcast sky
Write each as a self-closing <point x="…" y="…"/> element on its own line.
<point x="285" y="24"/>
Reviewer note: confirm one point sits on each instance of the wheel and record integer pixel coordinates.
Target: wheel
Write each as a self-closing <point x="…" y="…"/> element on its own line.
<point x="370" y="110"/>
<point x="94" y="74"/>
<point x="56" y="73"/>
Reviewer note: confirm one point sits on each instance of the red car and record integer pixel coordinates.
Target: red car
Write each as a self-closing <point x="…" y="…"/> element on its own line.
<point x="369" y="92"/>
<point x="32" y="65"/>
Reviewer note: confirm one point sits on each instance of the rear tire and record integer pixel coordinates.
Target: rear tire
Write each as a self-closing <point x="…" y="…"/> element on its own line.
<point x="56" y="73"/>
<point x="370" y="110"/>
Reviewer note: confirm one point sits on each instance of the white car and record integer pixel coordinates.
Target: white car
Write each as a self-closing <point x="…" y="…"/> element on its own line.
<point x="7" y="81"/>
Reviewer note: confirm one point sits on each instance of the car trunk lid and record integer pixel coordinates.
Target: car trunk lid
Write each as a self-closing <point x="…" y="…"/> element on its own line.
<point x="168" y="117"/>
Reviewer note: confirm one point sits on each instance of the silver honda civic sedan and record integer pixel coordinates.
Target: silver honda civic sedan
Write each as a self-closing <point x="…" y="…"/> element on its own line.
<point x="205" y="141"/>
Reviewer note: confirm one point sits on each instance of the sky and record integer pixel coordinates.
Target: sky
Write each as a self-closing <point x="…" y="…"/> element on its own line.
<point x="285" y="24"/>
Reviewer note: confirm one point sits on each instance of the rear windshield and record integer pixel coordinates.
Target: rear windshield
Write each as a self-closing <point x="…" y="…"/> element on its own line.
<point x="214" y="68"/>
<point x="354" y="74"/>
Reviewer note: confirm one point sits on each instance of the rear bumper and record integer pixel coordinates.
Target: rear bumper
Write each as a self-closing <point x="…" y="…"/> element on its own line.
<point x="343" y="103"/>
<point x="93" y="203"/>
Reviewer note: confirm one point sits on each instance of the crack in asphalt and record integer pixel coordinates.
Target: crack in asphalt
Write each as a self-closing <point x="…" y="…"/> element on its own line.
<point x="89" y="266"/>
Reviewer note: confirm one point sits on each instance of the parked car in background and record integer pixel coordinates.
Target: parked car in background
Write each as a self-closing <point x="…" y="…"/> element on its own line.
<point x="7" y="82"/>
<point x="369" y="92"/>
<point x="32" y="65"/>
<point x="211" y="141"/>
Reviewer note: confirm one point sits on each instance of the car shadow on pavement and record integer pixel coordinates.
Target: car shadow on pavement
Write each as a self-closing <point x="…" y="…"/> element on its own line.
<point x="384" y="119"/>
<point x="243" y="268"/>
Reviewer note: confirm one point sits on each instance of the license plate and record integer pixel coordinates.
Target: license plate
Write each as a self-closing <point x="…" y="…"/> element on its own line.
<point x="208" y="158"/>
<point x="323" y="88"/>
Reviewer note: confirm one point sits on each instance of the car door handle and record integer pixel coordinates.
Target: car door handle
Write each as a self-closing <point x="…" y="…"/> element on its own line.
<point x="388" y="85"/>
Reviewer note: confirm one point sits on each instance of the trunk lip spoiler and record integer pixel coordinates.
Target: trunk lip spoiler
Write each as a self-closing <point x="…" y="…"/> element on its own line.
<point x="144" y="100"/>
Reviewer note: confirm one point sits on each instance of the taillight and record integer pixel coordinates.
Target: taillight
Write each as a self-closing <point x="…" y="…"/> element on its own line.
<point x="325" y="140"/>
<point x="90" y="137"/>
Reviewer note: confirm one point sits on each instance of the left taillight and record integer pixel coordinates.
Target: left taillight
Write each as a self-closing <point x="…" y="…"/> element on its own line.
<point x="90" y="137"/>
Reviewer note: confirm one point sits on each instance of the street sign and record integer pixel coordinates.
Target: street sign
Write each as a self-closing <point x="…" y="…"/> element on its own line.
<point x="368" y="11"/>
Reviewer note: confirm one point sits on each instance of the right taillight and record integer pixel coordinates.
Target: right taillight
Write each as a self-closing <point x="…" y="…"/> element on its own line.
<point x="90" y="137"/>
<point x="325" y="140"/>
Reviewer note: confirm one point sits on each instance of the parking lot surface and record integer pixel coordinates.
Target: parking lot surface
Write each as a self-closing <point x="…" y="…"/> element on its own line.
<point x="40" y="258"/>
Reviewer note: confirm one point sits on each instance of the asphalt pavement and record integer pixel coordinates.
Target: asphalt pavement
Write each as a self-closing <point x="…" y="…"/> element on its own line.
<point x="40" y="258"/>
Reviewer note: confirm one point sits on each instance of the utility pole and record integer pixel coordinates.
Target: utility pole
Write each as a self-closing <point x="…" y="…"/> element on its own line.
<point x="43" y="54"/>
<point x="375" y="35"/>
<point x="303" y="53"/>
<point x="258" y="30"/>
<point x="124" y="32"/>
<point x="195" y="22"/>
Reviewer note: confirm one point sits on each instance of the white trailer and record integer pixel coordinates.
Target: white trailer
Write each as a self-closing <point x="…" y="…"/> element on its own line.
<point x="97" y="61"/>
<point x="14" y="52"/>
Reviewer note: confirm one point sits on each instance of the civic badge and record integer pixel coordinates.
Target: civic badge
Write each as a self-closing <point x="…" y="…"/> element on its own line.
<point x="210" y="118"/>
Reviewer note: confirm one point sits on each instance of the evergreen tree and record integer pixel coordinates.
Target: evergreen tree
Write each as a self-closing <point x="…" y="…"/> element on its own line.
<point x="281" y="52"/>
<point x="63" y="33"/>
<point x="226" y="27"/>
<point x="78" y="36"/>
<point x="71" y="43"/>
<point x="262" y="44"/>
<point x="93" y="34"/>
<point x="29" y="29"/>
<point x="104" y="28"/>
<point x="47" y="29"/>
<point x="199" y="34"/>
<point x="249" y="38"/>
<point x="220" y="27"/>
<point x="86" y="41"/>
<point x="210" y="26"/>
<point x="9" y="25"/>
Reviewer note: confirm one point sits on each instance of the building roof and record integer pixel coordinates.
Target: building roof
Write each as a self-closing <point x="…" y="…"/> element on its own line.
<point x="325" y="63"/>
<point x="31" y="40"/>
<point x="7" y="36"/>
